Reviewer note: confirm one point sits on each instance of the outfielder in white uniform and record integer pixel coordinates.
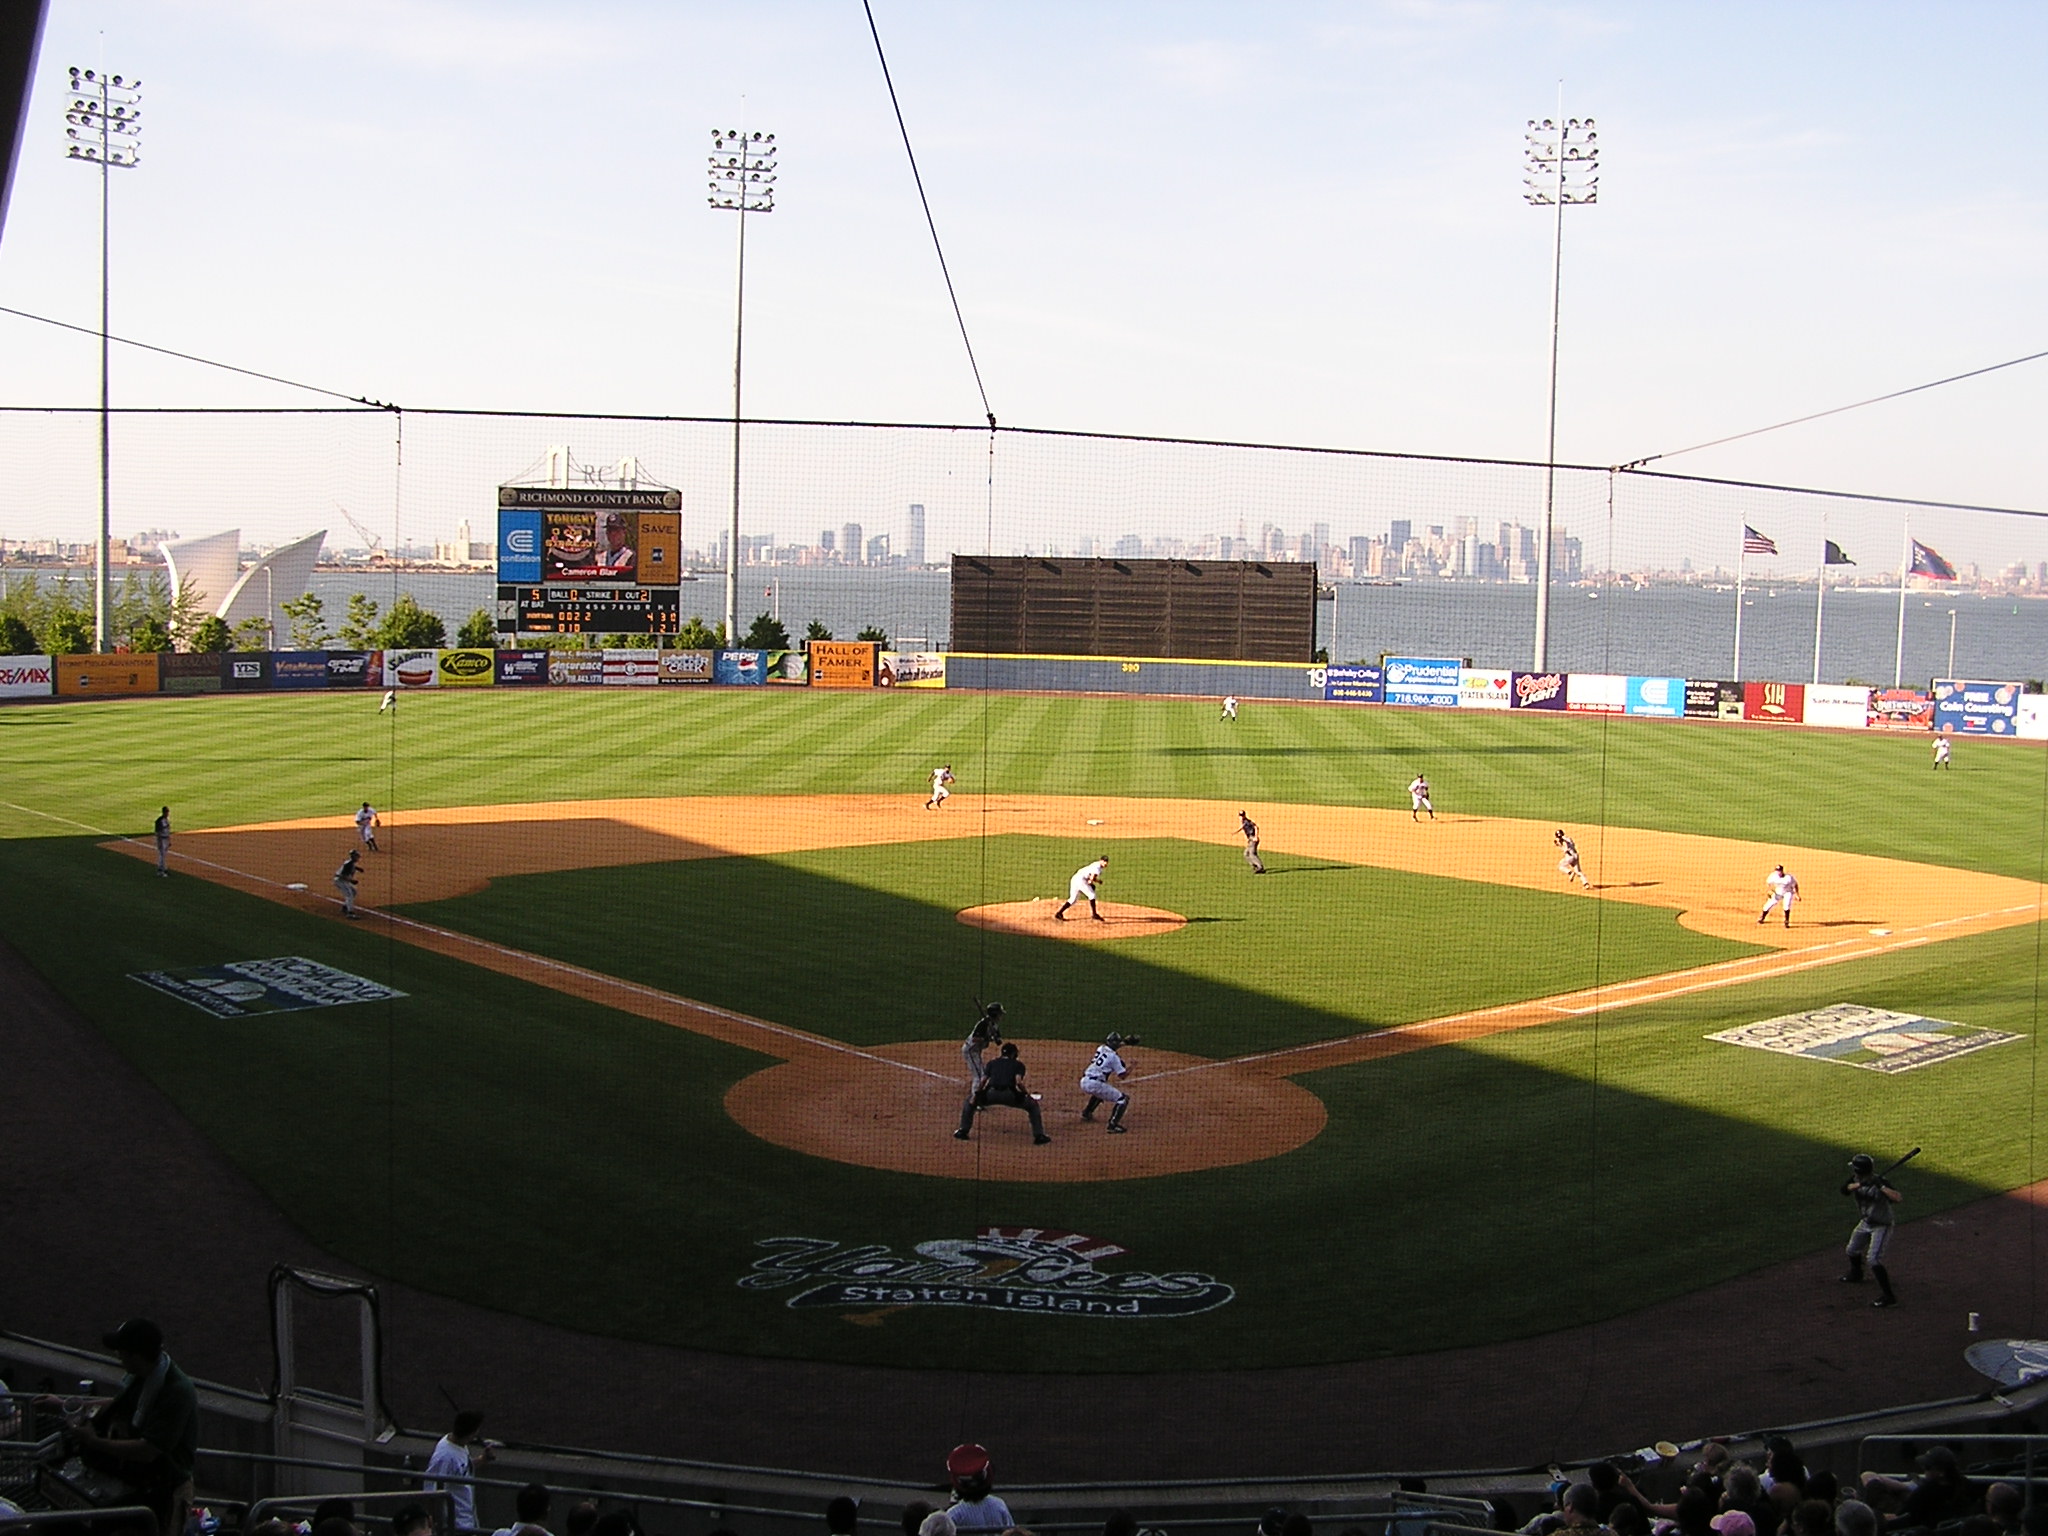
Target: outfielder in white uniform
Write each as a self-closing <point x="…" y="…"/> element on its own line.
<point x="941" y="777"/>
<point x="1784" y="891"/>
<point x="1418" y="799"/>
<point x="1941" y="751"/>
<point x="1082" y="888"/>
<point x="390" y="700"/>
<point x="1568" y="860"/>
<point x="1229" y="707"/>
<point x="366" y="826"/>
<point x="1098" y="1082"/>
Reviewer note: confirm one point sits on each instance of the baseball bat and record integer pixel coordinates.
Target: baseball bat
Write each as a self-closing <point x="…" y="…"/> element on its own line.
<point x="1895" y="1167"/>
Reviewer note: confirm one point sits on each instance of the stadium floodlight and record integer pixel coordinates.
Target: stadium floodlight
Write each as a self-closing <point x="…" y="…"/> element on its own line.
<point x="103" y="127"/>
<point x="1562" y="170"/>
<point x="742" y="182"/>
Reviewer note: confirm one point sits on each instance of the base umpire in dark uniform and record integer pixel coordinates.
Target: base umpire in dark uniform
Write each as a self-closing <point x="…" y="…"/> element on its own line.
<point x="1002" y="1083"/>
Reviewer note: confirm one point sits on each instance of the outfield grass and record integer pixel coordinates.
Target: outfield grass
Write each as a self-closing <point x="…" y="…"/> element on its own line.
<point x="493" y="1140"/>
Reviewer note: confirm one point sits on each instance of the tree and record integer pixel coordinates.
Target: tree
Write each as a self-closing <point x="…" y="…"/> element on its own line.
<point x="479" y="630"/>
<point x="879" y="636"/>
<point x="767" y="634"/>
<point x="308" y="621"/>
<point x="816" y="631"/>
<point x="253" y="633"/>
<point x="358" y="630"/>
<point x="211" y="635"/>
<point x="67" y="632"/>
<point x="409" y="625"/>
<point x="16" y="638"/>
<point x="149" y="633"/>
<point x="186" y="614"/>
<point x="696" y="635"/>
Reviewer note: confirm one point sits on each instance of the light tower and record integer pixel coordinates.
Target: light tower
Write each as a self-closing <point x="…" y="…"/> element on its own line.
<point x="742" y="181"/>
<point x="1562" y="171"/>
<point x="103" y="127"/>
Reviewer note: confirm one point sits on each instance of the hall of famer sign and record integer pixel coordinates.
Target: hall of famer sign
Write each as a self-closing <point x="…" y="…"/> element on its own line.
<point x="287" y="984"/>
<point x="1005" y="1269"/>
<point x="1876" y="1039"/>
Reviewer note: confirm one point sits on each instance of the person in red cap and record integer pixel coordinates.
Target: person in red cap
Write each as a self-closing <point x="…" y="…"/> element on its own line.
<point x="975" y="1506"/>
<point x="149" y="1434"/>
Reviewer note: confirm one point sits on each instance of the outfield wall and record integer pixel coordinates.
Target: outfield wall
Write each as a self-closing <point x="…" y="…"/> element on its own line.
<point x="1954" y="706"/>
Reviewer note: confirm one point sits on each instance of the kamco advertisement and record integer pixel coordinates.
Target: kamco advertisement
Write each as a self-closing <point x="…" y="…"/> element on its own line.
<point x="466" y="668"/>
<point x="1002" y="1269"/>
<point x="1774" y="703"/>
<point x="562" y="535"/>
<point x="843" y="663"/>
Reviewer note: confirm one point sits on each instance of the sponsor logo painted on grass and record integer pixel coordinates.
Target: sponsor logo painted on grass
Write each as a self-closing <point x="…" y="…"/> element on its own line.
<point x="1873" y="1038"/>
<point x="1004" y="1269"/>
<point x="287" y="984"/>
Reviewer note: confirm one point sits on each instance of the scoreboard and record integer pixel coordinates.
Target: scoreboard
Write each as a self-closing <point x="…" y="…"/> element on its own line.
<point x="578" y="610"/>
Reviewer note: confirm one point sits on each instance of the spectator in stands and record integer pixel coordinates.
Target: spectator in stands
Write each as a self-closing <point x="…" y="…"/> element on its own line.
<point x="1853" y="1517"/>
<point x="1783" y="1464"/>
<point x="842" y="1516"/>
<point x="1578" y="1509"/>
<point x="1629" y="1519"/>
<point x="1813" y="1517"/>
<point x="456" y="1456"/>
<point x="1693" y="1514"/>
<point x="531" y="1505"/>
<point x="1272" y="1522"/>
<point x="975" y="1506"/>
<point x="412" y="1520"/>
<point x="616" y="1522"/>
<point x="1734" y="1522"/>
<point x="271" y="1527"/>
<point x="343" y="1510"/>
<point x="149" y="1434"/>
<point x="1742" y="1491"/>
<point x="1297" y="1525"/>
<point x="1937" y="1494"/>
<point x="582" y="1519"/>
<point x="1823" y="1486"/>
<point x="937" y="1523"/>
<point x="1121" y="1522"/>
<point x="334" y="1525"/>
<point x="914" y="1516"/>
<point x="2003" y="1503"/>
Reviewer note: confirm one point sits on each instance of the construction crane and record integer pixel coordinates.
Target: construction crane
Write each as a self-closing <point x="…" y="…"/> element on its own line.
<point x="375" y="541"/>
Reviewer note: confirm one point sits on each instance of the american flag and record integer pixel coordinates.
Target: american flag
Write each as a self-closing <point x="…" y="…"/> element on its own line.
<point x="1754" y="543"/>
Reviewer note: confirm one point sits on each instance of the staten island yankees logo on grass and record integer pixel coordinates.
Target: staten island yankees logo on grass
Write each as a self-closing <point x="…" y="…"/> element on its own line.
<point x="1004" y="1269"/>
<point x="1875" y="1039"/>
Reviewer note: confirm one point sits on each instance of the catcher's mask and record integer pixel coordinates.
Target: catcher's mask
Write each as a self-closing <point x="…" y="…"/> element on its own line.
<point x="1112" y="1039"/>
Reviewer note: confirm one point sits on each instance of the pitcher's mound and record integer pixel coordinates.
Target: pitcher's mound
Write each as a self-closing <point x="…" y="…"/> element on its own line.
<point x="1119" y="921"/>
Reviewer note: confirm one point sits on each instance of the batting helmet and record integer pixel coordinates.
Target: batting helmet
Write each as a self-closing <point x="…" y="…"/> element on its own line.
<point x="968" y="1468"/>
<point x="993" y="1011"/>
<point x="1863" y="1165"/>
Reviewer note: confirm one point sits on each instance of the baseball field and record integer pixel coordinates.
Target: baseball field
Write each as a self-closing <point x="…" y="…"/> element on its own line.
<point x="658" y="996"/>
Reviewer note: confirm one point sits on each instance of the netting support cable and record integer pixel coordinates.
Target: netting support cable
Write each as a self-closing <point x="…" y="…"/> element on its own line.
<point x="204" y="362"/>
<point x="930" y="223"/>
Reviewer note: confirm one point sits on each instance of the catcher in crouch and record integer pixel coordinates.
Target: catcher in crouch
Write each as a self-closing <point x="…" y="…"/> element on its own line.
<point x="1097" y="1082"/>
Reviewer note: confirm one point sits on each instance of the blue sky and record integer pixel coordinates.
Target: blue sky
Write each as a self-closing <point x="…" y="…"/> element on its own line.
<point x="1297" y="224"/>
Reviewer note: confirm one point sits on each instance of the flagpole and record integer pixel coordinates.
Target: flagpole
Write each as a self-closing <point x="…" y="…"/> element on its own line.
<point x="1739" y="556"/>
<point x="1905" y="565"/>
<point x="1820" y="596"/>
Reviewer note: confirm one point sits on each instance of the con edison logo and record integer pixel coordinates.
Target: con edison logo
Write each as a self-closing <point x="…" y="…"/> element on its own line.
<point x="521" y="541"/>
<point x="1004" y="1269"/>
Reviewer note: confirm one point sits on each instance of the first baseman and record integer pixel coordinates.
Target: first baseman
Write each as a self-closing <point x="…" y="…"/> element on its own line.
<point x="1098" y="1082"/>
<point x="1418" y="799"/>
<point x="1784" y="891"/>
<point x="1873" y="1235"/>
<point x="366" y="826"/>
<point x="163" y="843"/>
<point x="345" y="882"/>
<point x="1250" y="829"/>
<point x="941" y="777"/>
<point x="1082" y="888"/>
<point x="1568" y="861"/>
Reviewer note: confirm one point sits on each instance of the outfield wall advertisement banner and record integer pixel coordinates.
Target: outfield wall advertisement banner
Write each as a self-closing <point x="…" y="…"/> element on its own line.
<point x="843" y="663"/>
<point x="355" y="669"/>
<point x="1483" y="690"/>
<point x="576" y="669"/>
<point x="745" y="668"/>
<point x="1425" y="682"/>
<point x="465" y="667"/>
<point x="632" y="669"/>
<point x="1837" y="707"/>
<point x="2031" y="724"/>
<point x="119" y="673"/>
<point x="1900" y="709"/>
<point x="911" y="669"/>
<point x="521" y="669"/>
<point x="183" y="672"/>
<point x="298" y="669"/>
<point x="1712" y="699"/>
<point x="1355" y="685"/>
<point x="410" y="669"/>
<point x="1774" y="703"/>
<point x="1537" y="690"/>
<point x="1662" y="698"/>
<point x="26" y="677"/>
<point x="245" y="673"/>
<point x="685" y="666"/>
<point x="1596" y="693"/>
<point x="1970" y="708"/>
